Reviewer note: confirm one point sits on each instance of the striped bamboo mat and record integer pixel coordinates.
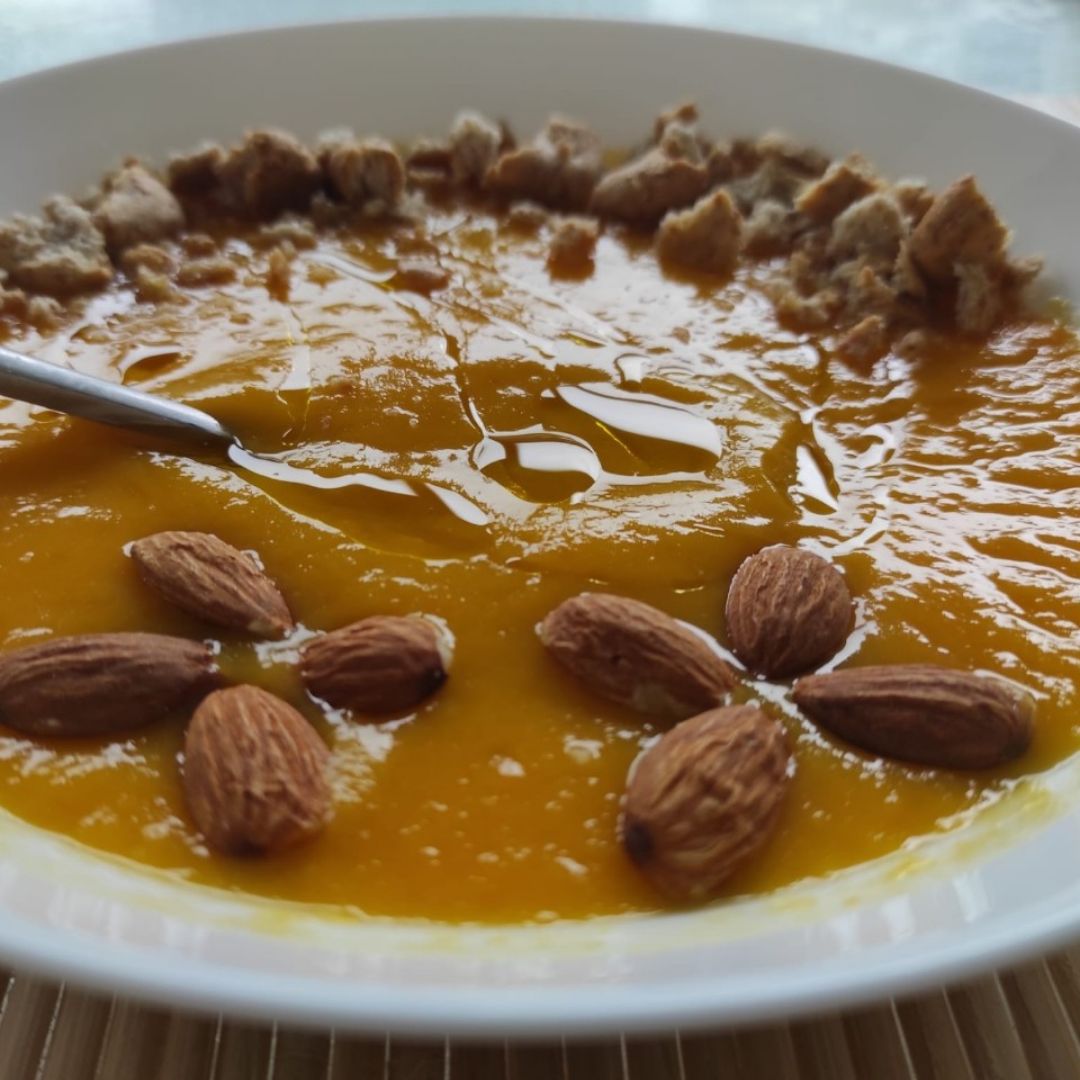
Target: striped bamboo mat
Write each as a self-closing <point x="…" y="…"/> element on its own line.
<point x="1017" y="1025"/>
<point x="1021" y="1025"/>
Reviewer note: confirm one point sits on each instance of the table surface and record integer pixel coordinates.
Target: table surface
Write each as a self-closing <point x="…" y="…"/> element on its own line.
<point x="1018" y="1025"/>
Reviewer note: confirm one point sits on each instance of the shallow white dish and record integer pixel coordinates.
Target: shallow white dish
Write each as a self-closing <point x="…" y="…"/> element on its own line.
<point x="988" y="894"/>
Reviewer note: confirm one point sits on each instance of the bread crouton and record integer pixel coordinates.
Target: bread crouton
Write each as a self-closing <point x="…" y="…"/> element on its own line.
<point x="573" y="244"/>
<point x="279" y="271"/>
<point x="151" y="286"/>
<point x="772" y="181"/>
<point x="270" y="171"/>
<point x="871" y="228"/>
<point x="361" y="171"/>
<point x="559" y="168"/>
<point x="685" y="113"/>
<point x="136" y="208"/>
<point x="60" y="253"/>
<point x="292" y="228"/>
<point x="979" y="298"/>
<point x="707" y="236"/>
<point x="959" y="226"/>
<point x="867" y="340"/>
<point x="643" y="190"/>
<point x="914" y="198"/>
<point x="770" y="229"/>
<point x="197" y="172"/>
<point x="154" y="258"/>
<point x="214" y="270"/>
<point x="842" y="183"/>
<point x="474" y="146"/>
<point x="813" y="312"/>
<point x="421" y="275"/>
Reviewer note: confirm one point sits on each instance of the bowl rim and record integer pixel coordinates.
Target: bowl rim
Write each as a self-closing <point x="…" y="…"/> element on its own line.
<point x="515" y="1012"/>
<point x="500" y="1012"/>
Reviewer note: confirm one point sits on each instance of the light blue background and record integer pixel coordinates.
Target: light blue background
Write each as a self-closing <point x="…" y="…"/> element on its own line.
<point x="1010" y="46"/>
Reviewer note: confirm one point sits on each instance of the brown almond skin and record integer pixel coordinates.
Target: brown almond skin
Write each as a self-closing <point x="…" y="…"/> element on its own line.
<point x="96" y="684"/>
<point x="203" y="575"/>
<point x="382" y="664"/>
<point x="788" y="611"/>
<point x="255" y="773"/>
<point x="705" y="798"/>
<point x="922" y="713"/>
<point x="636" y="655"/>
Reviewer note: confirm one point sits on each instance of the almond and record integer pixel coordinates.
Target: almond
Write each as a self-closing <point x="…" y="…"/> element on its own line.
<point x="93" y="684"/>
<point x="701" y="801"/>
<point x="636" y="655"/>
<point x="208" y="578"/>
<point x="788" y="611"/>
<point x="382" y="664"/>
<point x="922" y="713"/>
<point x="255" y="772"/>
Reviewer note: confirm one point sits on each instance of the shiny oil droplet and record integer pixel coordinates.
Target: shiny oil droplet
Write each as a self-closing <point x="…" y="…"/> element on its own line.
<point x="813" y="482"/>
<point x="631" y="367"/>
<point x="144" y="363"/>
<point x="272" y="468"/>
<point x="539" y="465"/>
<point x="644" y="416"/>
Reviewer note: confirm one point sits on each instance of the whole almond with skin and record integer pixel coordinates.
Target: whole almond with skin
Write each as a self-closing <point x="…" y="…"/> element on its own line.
<point x="255" y="772"/>
<point x="636" y="655"/>
<point x="701" y="801"/>
<point x="788" y="611"/>
<point x="922" y="713"/>
<point x="382" y="664"/>
<point x="95" y="684"/>
<point x="208" y="578"/>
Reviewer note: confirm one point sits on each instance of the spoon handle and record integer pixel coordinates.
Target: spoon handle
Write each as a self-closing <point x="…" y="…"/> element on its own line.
<point x="39" y="383"/>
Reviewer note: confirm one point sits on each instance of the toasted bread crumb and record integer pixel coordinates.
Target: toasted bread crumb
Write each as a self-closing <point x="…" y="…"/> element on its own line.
<point x="197" y="172"/>
<point x="136" y="207"/>
<point x="474" y="147"/>
<point x="959" y="226"/>
<point x="559" y="168"/>
<point x="573" y="244"/>
<point x="843" y="183"/>
<point x="198" y="245"/>
<point x="867" y="340"/>
<point x="279" y="270"/>
<point x="874" y="261"/>
<point x="361" y="171"/>
<point x="707" y="236"/>
<point x="152" y="286"/>
<point x="421" y="275"/>
<point x="270" y="171"/>
<point x="643" y="190"/>
<point x="59" y="254"/>
<point x="151" y="256"/>
<point x="214" y="270"/>
<point x="526" y="216"/>
<point x="292" y="229"/>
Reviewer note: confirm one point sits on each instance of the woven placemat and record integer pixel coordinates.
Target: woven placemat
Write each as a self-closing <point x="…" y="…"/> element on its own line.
<point x="1022" y="1024"/>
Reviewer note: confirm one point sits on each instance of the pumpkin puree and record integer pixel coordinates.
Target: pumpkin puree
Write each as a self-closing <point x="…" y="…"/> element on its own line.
<point x="625" y="429"/>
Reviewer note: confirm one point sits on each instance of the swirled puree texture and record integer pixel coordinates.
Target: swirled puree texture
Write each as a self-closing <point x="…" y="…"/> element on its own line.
<point x="498" y="446"/>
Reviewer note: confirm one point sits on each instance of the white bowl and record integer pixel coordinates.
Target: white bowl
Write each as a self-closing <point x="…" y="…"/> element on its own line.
<point x="1007" y="886"/>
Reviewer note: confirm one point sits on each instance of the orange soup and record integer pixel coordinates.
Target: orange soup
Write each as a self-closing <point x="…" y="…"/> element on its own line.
<point x="513" y="439"/>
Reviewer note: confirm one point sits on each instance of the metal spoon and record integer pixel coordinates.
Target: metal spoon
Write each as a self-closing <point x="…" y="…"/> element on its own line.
<point x="40" y="383"/>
